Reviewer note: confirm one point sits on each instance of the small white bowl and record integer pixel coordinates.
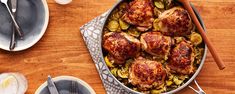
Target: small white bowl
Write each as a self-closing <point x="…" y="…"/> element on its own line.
<point x="62" y="84"/>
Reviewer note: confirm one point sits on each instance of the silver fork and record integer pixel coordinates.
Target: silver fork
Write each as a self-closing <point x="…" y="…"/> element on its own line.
<point x="200" y="91"/>
<point x="13" y="19"/>
<point x="74" y="88"/>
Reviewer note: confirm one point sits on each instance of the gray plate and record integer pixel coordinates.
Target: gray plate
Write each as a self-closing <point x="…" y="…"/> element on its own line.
<point x="32" y="16"/>
<point x="63" y="85"/>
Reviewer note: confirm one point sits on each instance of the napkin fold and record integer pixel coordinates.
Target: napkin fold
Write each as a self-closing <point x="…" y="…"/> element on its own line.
<point x="91" y="33"/>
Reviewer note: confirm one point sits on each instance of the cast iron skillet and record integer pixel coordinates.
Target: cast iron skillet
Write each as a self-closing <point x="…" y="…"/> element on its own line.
<point x="170" y="92"/>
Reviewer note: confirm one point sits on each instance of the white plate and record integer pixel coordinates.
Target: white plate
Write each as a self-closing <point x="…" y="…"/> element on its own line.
<point x="63" y="85"/>
<point x="32" y="16"/>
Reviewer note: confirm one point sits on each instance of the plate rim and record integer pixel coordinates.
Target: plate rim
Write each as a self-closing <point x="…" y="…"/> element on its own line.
<point x="37" y="39"/>
<point x="59" y="78"/>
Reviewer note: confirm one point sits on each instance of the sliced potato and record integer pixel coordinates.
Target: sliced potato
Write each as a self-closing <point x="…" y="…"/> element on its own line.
<point x="155" y="25"/>
<point x="123" y="25"/>
<point x="196" y="38"/>
<point x="159" y="4"/>
<point x="174" y="86"/>
<point x="155" y="91"/>
<point x="178" y="39"/>
<point x="122" y="73"/>
<point x="128" y="63"/>
<point x="198" y="54"/>
<point x="156" y="12"/>
<point x="115" y="15"/>
<point x="177" y="81"/>
<point x="161" y="86"/>
<point x="133" y="32"/>
<point x="169" y="82"/>
<point x="108" y="62"/>
<point x="171" y="77"/>
<point x="114" y="71"/>
<point x="167" y="4"/>
<point x="135" y="89"/>
<point x="113" y="25"/>
<point x="183" y="77"/>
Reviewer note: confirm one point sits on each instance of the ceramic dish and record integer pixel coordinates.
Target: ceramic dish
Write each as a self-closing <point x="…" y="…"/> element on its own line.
<point x="192" y="77"/>
<point x="32" y="16"/>
<point x="63" y="85"/>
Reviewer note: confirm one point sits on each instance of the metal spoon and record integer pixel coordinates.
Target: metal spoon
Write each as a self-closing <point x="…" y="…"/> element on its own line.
<point x="13" y="19"/>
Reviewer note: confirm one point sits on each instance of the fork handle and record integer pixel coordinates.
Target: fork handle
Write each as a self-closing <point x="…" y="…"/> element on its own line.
<point x="13" y="40"/>
<point x="15" y="23"/>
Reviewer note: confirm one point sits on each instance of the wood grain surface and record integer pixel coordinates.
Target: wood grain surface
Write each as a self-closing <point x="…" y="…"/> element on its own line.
<point x="62" y="51"/>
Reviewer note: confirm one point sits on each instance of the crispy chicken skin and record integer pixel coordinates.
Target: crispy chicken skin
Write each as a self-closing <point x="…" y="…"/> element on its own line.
<point x="175" y="22"/>
<point x="120" y="46"/>
<point x="156" y="44"/>
<point x="140" y="14"/>
<point x="181" y="59"/>
<point x="146" y="74"/>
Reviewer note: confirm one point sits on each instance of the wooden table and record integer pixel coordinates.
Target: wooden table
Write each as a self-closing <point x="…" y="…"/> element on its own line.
<point x="62" y="51"/>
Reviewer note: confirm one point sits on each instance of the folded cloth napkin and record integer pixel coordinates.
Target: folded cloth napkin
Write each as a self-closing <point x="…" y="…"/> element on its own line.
<point x="91" y="32"/>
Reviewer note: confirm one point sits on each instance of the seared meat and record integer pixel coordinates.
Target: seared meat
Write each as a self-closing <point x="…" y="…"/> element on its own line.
<point x="146" y="74"/>
<point x="181" y="59"/>
<point x="156" y="44"/>
<point x="175" y="22"/>
<point x="120" y="46"/>
<point x="140" y="13"/>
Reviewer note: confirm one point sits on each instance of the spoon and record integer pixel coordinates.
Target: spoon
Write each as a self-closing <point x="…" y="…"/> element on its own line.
<point x="215" y="55"/>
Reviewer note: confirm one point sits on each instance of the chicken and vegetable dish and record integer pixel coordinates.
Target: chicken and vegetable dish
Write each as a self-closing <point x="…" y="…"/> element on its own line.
<point x="151" y="46"/>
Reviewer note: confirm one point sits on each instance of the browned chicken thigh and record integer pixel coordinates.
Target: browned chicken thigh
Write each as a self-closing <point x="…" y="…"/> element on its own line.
<point x="181" y="59"/>
<point x="140" y="14"/>
<point x="120" y="46"/>
<point x="146" y="74"/>
<point x="156" y="44"/>
<point x="175" y="22"/>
